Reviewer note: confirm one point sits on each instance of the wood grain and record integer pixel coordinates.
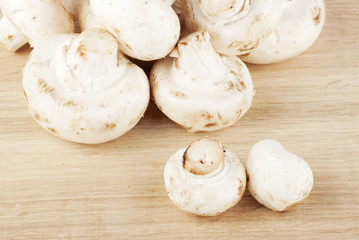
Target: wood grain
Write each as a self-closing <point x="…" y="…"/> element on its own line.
<point x="52" y="189"/>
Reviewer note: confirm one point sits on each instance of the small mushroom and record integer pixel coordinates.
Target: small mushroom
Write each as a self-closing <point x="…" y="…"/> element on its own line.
<point x="146" y="30"/>
<point x="200" y="89"/>
<point x="82" y="89"/>
<point x="277" y="178"/>
<point x="298" y="29"/>
<point x="236" y="26"/>
<point x="205" y="178"/>
<point x="34" y="20"/>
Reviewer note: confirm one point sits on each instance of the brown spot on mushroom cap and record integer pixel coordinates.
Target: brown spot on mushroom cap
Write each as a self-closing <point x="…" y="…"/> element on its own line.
<point x="110" y="126"/>
<point x="52" y="131"/>
<point x="27" y="100"/>
<point x="317" y="11"/>
<point x="44" y="88"/>
<point x="81" y="50"/>
<point x="209" y="125"/>
<point x="230" y="85"/>
<point x="179" y="94"/>
<point x="69" y="103"/>
<point x="207" y="116"/>
<point x="10" y="37"/>
<point x="241" y="86"/>
<point x="38" y="118"/>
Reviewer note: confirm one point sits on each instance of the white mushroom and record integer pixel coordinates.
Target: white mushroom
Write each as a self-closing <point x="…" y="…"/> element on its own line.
<point x="200" y="89"/>
<point x="277" y="178"/>
<point x="82" y="89"/>
<point x="236" y="26"/>
<point x="298" y="29"/>
<point x="205" y="179"/>
<point x="147" y="30"/>
<point x="35" y="20"/>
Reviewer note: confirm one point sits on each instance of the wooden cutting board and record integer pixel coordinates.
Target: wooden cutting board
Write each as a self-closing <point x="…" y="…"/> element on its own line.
<point x="52" y="189"/>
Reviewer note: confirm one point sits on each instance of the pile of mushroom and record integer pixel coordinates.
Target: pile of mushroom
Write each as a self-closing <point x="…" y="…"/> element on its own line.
<point x="207" y="179"/>
<point x="199" y="81"/>
<point x="83" y="88"/>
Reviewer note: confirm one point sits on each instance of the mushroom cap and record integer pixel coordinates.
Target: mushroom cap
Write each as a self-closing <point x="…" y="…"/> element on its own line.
<point x="82" y="89"/>
<point x="146" y="30"/>
<point x="298" y="29"/>
<point x="277" y="178"/>
<point x="38" y="19"/>
<point x="236" y="26"/>
<point x="200" y="89"/>
<point x="209" y="194"/>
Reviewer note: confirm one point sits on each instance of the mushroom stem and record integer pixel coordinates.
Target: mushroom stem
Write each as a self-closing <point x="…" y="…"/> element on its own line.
<point x="88" y="59"/>
<point x="93" y="53"/>
<point x="198" y="58"/>
<point x="10" y="37"/>
<point x="203" y="156"/>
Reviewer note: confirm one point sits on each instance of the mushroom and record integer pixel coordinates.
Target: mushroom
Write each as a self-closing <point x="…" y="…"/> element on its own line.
<point x="298" y="29"/>
<point x="236" y="26"/>
<point x="82" y="89"/>
<point x="200" y="89"/>
<point x="146" y="30"/>
<point x="33" y="21"/>
<point x="205" y="178"/>
<point x="277" y="178"/>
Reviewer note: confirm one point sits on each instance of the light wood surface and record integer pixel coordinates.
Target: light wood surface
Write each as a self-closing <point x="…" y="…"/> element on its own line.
<point x="52" y="189"/>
